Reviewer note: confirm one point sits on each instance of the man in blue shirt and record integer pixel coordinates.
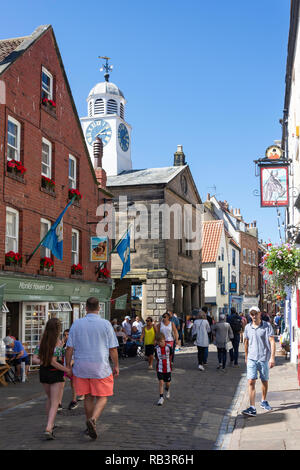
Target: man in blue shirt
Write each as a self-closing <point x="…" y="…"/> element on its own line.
<point x="259" y="356"/>
<point x="15" y="351"/>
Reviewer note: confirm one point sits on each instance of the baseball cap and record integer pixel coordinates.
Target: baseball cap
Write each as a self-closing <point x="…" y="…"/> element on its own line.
<point x="255" y="309"/>
<point x="127" y="317"/>
<point x="8" y="340"/>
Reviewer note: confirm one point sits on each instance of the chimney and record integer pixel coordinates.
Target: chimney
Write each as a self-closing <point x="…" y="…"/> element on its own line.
<point x="98" y="155"/>
<point x="179" y="157"/>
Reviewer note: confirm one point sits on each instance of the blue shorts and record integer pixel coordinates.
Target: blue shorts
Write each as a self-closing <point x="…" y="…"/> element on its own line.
<point x="257" y="366"/>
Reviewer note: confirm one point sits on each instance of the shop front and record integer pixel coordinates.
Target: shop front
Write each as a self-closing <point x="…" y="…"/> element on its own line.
<point x="28" y="303"/>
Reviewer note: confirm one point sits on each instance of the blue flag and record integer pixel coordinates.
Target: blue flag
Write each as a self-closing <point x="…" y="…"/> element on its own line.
<point x="123" y="250"/>
<point x="54" y="238"/>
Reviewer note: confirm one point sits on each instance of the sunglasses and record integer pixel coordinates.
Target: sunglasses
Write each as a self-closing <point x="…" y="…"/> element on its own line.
<point x="148" y="320"/>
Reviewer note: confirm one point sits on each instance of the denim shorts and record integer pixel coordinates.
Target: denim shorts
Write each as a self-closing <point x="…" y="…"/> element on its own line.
<point x="257" y="366"/>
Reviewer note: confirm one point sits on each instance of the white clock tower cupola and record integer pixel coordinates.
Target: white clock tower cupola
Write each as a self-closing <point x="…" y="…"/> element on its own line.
<point x="106" y="119"/>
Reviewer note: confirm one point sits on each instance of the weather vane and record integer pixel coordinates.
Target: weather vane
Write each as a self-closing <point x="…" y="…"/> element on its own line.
<point x="108" y="68"/>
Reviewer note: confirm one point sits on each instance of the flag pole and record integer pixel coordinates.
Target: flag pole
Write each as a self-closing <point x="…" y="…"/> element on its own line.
<point x="28" y="258"/>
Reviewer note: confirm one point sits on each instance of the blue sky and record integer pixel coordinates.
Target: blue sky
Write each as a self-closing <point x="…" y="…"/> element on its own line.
<point x="206" y="75"/>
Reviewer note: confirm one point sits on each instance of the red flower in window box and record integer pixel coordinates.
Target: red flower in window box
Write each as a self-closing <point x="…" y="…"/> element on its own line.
<point x="16" y="166"/>
<point x="12" y="258"/>
<point x="104" y="272"/>
<point x="46" y="101"/>
<point x="76" y="269"/>
<point x="47" y="182"/>
<point x="46" y="263"/>
<point x="75" y="192"/>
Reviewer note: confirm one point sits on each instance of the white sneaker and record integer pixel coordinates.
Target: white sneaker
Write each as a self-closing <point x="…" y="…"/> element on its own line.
<point x="160" y="401"/>
<point x="200" y="367"/>
<point x="168" y="394"/>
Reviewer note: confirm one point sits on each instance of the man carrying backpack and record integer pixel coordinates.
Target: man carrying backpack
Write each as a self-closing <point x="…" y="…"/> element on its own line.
<point x="236" y="324"/>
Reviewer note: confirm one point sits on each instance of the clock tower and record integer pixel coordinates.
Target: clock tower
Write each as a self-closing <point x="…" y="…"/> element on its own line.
<point x="106" y="119"/>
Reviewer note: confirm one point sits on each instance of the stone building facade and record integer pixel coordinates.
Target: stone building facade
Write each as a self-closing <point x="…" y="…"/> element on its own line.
<point x="168" y="271"/>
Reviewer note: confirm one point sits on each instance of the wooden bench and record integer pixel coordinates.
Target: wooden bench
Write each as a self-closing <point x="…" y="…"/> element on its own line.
<point x="3" y="369"/>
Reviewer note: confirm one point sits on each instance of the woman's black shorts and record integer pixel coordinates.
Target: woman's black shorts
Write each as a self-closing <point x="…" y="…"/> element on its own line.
<point x="149" y="350"/>
<point x="50" y="375"/>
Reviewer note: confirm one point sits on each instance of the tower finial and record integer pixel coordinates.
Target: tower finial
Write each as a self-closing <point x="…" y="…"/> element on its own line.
<point x="108" y="68"/>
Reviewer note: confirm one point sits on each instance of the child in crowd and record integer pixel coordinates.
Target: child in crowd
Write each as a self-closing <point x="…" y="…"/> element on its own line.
<point x="163" y="355"/>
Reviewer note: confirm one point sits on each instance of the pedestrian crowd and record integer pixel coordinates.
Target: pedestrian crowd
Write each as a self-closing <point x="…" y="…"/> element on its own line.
<point x="88" y="354"/>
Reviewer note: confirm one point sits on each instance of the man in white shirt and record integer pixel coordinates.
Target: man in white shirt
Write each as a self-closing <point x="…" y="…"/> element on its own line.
<point x="138" y="324"/>
<point x="127" y="326"/>
<point x="91" y="341"/>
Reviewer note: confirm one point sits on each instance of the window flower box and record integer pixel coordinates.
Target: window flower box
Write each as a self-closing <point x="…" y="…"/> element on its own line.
<point x="49" y="103"/>
<point x="76" y="271"/>
<point x="13" y="259"/>
<point x="75" y="192"/>
<point x="46" y="265"/>
<point x="103" y="274"/>
<point x="16" y="169"/>
<point x="48" y="185"/>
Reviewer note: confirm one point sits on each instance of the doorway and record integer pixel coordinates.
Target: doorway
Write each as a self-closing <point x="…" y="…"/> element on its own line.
<point x="13" y="320"/>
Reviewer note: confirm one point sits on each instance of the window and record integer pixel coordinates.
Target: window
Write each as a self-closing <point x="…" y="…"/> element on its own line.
<point x="233" y="277"/>
<point x="72" y="172"/>
<point x="122" y="110"/>
<point x="45" y="226"/>
<point x="253" y="258"/>
<point x="249" y="287"/>
<point x="12" y="230"/>
<point x="47" y="84"/>
<point x="222" y="253"/>
<point x="249" y="256"/>
<point x="233" y="257"/>
<point x="245" y="281"/>
<point x="220" y="275"/>
<point x="99" y="107"/>
<point x="13" y="139"/>
<point x="253" y="285"/>
<point x="75" y="247"/>
<point x="244" y="255"/>
<point x="46" y="158"/>
<point x="112" y="107"/>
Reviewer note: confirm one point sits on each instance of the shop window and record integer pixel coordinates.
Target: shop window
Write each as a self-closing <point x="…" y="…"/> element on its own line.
<point x="35" y="320"/>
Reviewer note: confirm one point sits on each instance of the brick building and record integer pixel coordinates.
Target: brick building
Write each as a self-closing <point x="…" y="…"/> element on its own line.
<point x="40" y="129"/>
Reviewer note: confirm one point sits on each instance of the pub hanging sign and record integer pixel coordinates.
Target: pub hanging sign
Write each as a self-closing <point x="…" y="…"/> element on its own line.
<point x="274" y="185"/>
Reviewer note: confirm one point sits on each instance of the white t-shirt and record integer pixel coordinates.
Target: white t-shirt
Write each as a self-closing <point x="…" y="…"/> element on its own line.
<point x="139" y="325"/>
<point x="92" y="337"/>
<point x="127" y="327"/>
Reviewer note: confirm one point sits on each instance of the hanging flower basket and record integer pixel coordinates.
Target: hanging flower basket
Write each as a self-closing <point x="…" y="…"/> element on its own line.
<point x="16" y="167"/>
<point x="13" y="259"/>
<point x="282" y="263"/>
<point x="47" y="102"/>
<point x="46" y="264"/>
<point x="48" y="183"/>
<point x="75" y="192"/>
<point x="76" y="269"/>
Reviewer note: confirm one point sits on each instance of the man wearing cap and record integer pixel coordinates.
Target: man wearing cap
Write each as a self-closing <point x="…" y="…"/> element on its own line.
<point x="259" y="357"/>
<point x="126" y="325"/>
<point x="15" y="349"/>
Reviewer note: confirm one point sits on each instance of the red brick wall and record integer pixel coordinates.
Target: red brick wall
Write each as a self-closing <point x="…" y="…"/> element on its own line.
<point x="23" y="102"/>
<point x="250" y="243"/>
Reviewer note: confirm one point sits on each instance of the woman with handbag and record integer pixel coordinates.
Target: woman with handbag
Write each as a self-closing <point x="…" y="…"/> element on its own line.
<point x="222" y="333"/>
<point x="200" y="332"/>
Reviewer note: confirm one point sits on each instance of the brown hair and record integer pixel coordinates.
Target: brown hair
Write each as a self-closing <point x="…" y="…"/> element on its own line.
<point x="159" y="337"/>
<point x="49" y="340"/>
<point x="92" y="304"/>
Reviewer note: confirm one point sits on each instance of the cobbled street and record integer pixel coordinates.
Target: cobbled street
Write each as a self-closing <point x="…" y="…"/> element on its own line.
<point x="190" y="420"/>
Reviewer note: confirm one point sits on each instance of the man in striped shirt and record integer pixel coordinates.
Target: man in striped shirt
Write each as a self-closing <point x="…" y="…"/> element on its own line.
<point x="163" y="355"/>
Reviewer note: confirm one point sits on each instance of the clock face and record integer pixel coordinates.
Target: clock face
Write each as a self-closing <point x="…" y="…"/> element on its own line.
<point x="99" y="128"/>
<point x="123" y="137"/>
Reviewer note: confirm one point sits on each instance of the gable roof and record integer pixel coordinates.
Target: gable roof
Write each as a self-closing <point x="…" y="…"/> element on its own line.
<point x="211" y="237"/>
<point x="12" y="49"/>
<point x="147" y="176"/>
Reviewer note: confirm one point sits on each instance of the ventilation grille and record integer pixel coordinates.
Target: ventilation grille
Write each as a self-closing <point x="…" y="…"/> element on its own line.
<point x="122" y="110"/>
<point x="112" y="107"/>
<point x="99" y="106"/>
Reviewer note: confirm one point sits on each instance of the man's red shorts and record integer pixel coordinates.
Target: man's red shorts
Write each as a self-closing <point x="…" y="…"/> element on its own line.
<point x="94" y="387"/>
